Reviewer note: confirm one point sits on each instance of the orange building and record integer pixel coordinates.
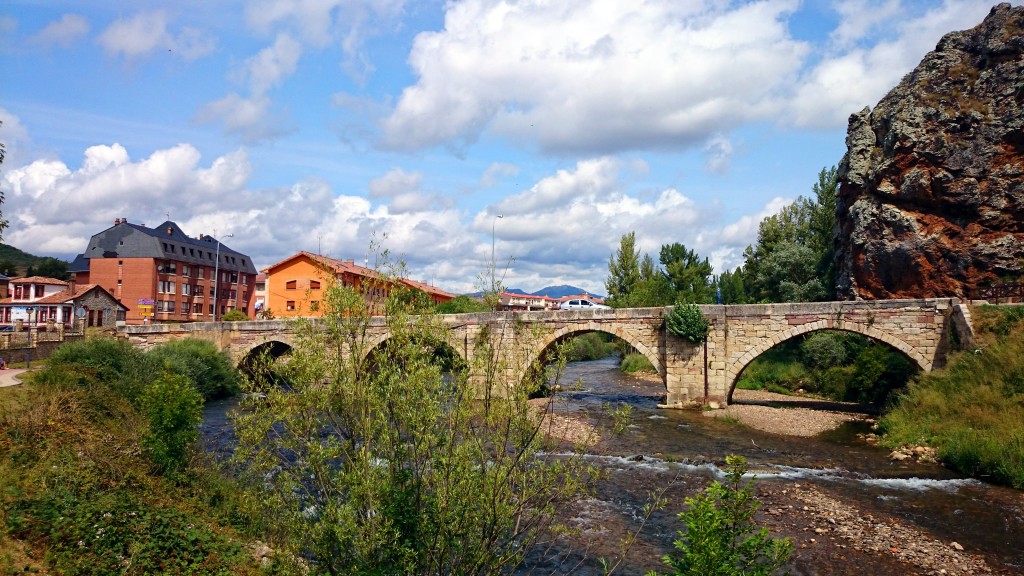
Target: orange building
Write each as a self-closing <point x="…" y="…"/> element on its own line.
<point x="295" y="285"/>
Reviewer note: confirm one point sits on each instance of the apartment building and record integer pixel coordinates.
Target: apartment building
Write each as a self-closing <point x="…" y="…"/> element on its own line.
<point x="295" y="286"/>
<point x="163" y="275"/>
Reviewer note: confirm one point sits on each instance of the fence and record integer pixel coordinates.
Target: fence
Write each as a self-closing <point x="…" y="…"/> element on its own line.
<point x="37" y="342"/>
<point x="1001" y="292"/>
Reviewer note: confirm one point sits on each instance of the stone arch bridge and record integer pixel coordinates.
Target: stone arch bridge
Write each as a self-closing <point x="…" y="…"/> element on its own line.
<point x="924" y="330"/>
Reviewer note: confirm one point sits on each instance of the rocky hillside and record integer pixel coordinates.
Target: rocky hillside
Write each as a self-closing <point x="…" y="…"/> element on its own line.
<point x="931" y="199"/>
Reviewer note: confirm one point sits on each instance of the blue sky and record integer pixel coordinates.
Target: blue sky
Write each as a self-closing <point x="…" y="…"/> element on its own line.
<point x="322" y="125"/>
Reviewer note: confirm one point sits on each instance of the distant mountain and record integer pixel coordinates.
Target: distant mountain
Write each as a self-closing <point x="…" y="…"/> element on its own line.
<point x="550" y="292"/>
<point x="560" y="291"/>
<point x="15" y="262"/>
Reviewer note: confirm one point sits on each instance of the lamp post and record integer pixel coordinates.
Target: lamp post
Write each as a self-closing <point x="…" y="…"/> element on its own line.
<point x="493" y="222"/>
<point x="216" y="277"/>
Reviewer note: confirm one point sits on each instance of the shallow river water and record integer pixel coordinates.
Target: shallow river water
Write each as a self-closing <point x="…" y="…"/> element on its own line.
<point x="678" y="451"/>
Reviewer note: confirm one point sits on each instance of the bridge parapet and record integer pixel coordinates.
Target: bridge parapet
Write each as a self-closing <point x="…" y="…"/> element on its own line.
<point x="920" y="329"/>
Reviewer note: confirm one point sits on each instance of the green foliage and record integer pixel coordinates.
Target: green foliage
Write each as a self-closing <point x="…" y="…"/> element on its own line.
<point x="378" y="462"/>
<point x="623" y="271"/>
<point x="208" y="370"/>
<point x="635" y="362"/>
<point x="721" y="538"/>
<point x="778" y="368"/>
<point x="234" y="315"/>
<point x="998" y="320"/>
<point x="49" y="268"/>
<point x="971" y="412"/>
<point x="461" y="305"/>
<point x="732" y="288"/>
<point x="622" y="416"/>
<point x="79" y="493"/>
<point x="109" y="361"/>
<point x="689" y="276"/>
<point x="688" y="322"/>
<point x="95" y="532"/>
<point x="792" y="260"/>
<point x="823" y="350"/>
<point x="174" y="409"/>
<point x="590" y="346"/>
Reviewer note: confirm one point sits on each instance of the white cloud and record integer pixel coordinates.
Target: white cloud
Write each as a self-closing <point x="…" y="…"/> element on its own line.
<point x="855" y="73"/>
<point x="596" y="75"/>
<point x="248" y="119"/>
<point x="268" y="68"/>
<point x="147" y="31"/>
<point x="496" y="171"/>
<point x="64" y="32"/>
<point x="394" y="183"/>
<point x="718" y="154"/>
<point x="321" y="23"/>
<point x="13" y="135"/>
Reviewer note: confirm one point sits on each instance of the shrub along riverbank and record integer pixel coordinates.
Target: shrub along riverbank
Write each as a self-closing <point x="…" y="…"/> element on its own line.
<point x="972" y="411"/>
<point x="94" y="465"/>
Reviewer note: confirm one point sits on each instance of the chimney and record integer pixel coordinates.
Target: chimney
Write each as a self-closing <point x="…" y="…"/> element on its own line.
<point x="124" y="220"/>
<point x="117" y="221"/>
<point x="170" y="231"/>
<point x="71" y="284"/>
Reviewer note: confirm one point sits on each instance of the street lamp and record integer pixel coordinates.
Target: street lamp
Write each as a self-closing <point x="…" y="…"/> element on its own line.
<point x="495" y="221"/>
<point x="216" y="277"/>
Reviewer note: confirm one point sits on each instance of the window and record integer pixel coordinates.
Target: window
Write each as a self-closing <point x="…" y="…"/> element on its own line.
<point x="165" y="246"/>
<point x="290" y="305"/>
<point x="185" y="270"/>
<point x="197" y="308"/>
<point x="245" y="279"/>
<point x="314" y="305"/>
<point x="291" y="285"/>
<point x="192" y="252"/>
<point x="165" y="287"/>
<point x="200" y="272"/>
<point x="165" y="305"/>
<point x="211" y="308"/>
<point x="186" y="289"/>
<point x="314" y="285"/>
<point x="40" y="290"/>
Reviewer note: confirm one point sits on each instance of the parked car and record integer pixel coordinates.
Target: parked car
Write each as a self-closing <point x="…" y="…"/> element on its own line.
<point x="581" y="304"/>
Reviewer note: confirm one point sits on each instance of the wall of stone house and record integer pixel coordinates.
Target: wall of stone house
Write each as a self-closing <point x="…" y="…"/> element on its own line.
<point x="96" y="300"/>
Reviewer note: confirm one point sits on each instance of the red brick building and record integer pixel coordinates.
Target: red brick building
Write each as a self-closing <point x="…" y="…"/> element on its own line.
<point x="161" y="274"/>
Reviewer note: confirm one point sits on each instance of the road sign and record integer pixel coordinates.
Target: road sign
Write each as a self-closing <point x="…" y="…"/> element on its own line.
<point x="146" y="301"/>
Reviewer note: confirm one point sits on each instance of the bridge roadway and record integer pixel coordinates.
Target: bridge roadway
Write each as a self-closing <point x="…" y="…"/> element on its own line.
<point x="923" y="330"/>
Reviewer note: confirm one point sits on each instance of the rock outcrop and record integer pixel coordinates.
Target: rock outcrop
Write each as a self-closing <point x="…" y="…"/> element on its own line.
<point x="931" y="199"/>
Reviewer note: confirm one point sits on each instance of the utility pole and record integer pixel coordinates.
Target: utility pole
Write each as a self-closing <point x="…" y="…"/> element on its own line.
<point x="216" y="277"/>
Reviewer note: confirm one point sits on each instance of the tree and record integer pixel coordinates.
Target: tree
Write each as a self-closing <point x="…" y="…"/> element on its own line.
<point x="689" y="276"/>
<point x="623" y="271"/>
<point x="792" y="260"/>
<point x="49" y="268"/>
<point x="375" y="461"/>
<point x="461" y="305"/>
<point x="730" y="287"/>
<point x="654" y="288"/>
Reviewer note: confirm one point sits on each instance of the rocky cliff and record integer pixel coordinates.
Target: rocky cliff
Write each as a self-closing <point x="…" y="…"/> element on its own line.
<point x="931" y="199"/>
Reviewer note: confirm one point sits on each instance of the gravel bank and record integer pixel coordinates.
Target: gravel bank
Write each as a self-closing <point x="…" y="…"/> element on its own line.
<point x="791" y="415"/>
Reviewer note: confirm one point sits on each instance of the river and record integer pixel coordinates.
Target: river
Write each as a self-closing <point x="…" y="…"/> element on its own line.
<point x="817" y="491"/>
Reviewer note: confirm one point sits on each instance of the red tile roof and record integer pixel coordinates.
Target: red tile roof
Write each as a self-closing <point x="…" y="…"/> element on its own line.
<point x="38" y="280"/>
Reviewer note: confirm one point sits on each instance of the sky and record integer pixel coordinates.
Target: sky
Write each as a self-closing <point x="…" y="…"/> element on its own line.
<point x="533" y="132"/>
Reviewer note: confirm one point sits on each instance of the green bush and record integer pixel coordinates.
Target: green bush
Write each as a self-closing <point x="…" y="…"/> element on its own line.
<point x="636" y="362"/>
<point x="971" y="412"/>
<point x="208" y="369"/>
<point x="113" y="362"/>
<point x="174" y="409"/>
<point x="688" y="322"/>
<point x="591" y="346"/>
<point x="234" y="315"/>
<point x="721" y="538"/>
<point x="461" y="305"/>
<point x="824" y="350"/>
<point x="93" y="532"/>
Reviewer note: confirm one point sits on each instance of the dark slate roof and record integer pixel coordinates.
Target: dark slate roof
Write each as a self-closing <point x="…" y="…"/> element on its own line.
<point x="79" y="264"/>
<point x="166" y="241"/>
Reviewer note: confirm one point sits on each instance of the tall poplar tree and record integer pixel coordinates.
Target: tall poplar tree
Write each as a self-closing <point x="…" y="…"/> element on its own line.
<point x="623" y="272"/>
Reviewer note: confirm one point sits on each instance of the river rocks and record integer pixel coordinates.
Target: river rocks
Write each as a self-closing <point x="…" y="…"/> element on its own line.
<point x="931" y="199"/>
<point x="832" y="528"/>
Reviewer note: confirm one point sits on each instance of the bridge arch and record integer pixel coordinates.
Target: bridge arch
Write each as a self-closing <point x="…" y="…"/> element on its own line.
<point x="381" y="341"/>
<point x="652" y="353"/>
<point x="736" y="368"/>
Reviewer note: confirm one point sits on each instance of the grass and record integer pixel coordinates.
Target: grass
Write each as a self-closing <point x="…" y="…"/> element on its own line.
<point x="79" y="494"/>
<point x="972" y="412"/>
<point x="636" y="362"/>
